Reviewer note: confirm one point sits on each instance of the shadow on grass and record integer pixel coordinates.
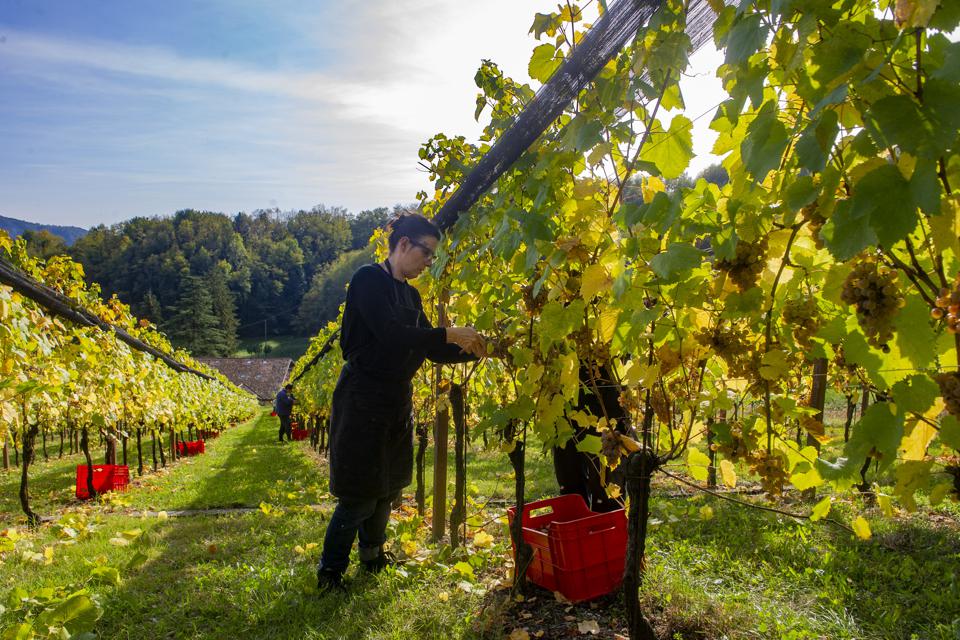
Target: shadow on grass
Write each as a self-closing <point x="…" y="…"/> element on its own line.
<point x="821" y="573"/>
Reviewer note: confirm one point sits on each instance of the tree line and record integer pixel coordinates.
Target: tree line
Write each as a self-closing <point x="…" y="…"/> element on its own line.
<point x="207" y="278"/>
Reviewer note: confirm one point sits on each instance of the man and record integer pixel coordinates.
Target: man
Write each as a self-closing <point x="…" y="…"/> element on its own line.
<point x="283" y="405"/>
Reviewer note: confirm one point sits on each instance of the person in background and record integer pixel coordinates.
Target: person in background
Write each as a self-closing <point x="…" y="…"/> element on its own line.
<point x="283" y="406"/>
<point x="385" y="337"/>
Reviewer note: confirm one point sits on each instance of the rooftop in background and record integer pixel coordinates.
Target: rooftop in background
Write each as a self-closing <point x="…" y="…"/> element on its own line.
<point x="261" y="376"/>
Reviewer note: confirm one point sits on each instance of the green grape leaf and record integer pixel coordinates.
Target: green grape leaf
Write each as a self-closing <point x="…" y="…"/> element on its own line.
<point x="847" y="232"/>
<point x="801" y="192"/>
<point x="745" y="38"/>
<point x="678" y="260"/>
<point x="925" y="187"/>
<point x="897" y="121"/>
<point x="697" y="464"/>
<point x="915" y="394"/>
<point x="590" y="444"/>
<point x="816" y="141"/>
<point x="914" y="336"/>
<point x="883" y="196"/>
<point x="950" y="432"/>
<point x="672" y="150"/>
<point x="543" y="62"/>
<point x="766" y="140"/>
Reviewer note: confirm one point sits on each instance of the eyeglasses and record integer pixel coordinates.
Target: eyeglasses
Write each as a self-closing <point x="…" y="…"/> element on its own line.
<point x="427" y="251"/>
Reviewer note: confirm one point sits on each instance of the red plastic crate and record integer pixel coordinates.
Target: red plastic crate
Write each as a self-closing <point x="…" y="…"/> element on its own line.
<point x="192" y="448"/>
<point x="106" y="477"/>
<point x="578" y="552"/>
<point x="300" y="434"/>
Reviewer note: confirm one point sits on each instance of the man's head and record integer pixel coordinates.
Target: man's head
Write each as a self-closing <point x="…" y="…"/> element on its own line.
<point x="288" y="387"/>
<point x="413" y="241"/>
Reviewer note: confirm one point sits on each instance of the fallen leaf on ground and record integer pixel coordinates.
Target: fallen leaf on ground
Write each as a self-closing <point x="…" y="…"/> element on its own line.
<point x="588" y="626"/>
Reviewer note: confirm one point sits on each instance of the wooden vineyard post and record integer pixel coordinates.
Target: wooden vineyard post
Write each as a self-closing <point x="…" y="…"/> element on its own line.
<point x="458" y="515"/>
<point x="6" y="455"/>
<point x="441" y="433"/>
<point x="423" y="439"/>
<point x="818" y="400"/>
<point x="85" y="447"/>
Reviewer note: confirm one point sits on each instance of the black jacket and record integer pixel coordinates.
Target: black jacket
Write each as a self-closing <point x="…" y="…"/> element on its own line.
<point x="385" y="338"/>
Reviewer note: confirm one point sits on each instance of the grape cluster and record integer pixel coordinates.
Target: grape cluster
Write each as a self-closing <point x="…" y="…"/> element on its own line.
<point x="811" y="213"/>
<point x="948" y="306"/>
<point x="802" y="315"/>
<point x="950" y="390"/>
<point x="728" y="342"/>
<point x="610" y="445"/>
<point x="534" y="303"/>
<point x="772" y="472"/>
<point x="873" y="290"/>
<point x="661" y="406"/>
<point x="747" y="264"/>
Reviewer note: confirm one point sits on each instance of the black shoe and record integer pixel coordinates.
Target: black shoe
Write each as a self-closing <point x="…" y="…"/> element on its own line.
<point x="381" y="562"/>
<point x="329" y="580"/>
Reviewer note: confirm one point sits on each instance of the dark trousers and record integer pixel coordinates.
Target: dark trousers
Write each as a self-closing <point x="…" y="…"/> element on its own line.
<point x="285" y="427"/>
<point x="365" y="518"/>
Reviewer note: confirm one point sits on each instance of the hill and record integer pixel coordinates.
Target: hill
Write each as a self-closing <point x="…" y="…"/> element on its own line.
<point x="15" y="227"/>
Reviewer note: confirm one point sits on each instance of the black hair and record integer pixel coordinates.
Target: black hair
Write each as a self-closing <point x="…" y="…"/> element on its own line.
<point x="410" y="225"/>
<point x="289" y="386"/>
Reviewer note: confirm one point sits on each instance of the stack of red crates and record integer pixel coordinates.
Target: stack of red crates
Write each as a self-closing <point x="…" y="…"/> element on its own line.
<point x="577" y="552"/>
<point x="191" y="448"/>
<point x="106" y="477"/>
<point x="299" y="434"/>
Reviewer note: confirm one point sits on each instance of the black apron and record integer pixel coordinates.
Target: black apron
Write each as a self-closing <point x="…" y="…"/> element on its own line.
<point x="371" y="425"/>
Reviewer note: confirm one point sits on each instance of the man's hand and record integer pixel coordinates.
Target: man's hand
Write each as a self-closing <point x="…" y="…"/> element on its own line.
<point x="468" y="340"/>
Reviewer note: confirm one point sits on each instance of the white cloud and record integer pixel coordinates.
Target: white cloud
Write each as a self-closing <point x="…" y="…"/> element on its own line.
<point x="346" y="133"/>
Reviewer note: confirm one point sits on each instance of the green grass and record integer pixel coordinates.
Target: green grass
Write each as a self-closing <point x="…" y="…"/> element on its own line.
<point x="738" y="574"/>
<point x="275" y="347"/>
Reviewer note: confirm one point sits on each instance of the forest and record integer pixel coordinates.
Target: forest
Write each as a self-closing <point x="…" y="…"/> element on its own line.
<point x="208" y="279"/>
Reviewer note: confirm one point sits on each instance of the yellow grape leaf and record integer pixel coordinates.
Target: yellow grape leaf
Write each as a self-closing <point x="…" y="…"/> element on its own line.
<point x="885" y="504"/>
<point x="613" y="491"/>
<point x="443" y="596"/>
<point x="773" y="365"/>
<point x="914" y="445"/>
<point x="706" y="512"/>
<point x="642" y="375"/>
<point x="608" y="323"/>
<point x="266" y="508"/>
<point x="595" y="280"/>
<point x="300" y="550"/>
<point x="946" y="226"/>
<point x="569" y="378"/>
<point x="119" y="542"/>
<point x="48" y="555"/>
<point x="861" y="528"/>
<point x="939" y="492"/>
<point x="464" y="569"/>
<point x="821" y="509"/>
<point x="915" y="13"/>
<point x="651" y="186"/>
<point x="728" y="474"/>
<point x="697" y="463"/>
<point x="519" y="634"/>
<point x="409" y="547"/>
<point x="482" y="540"/>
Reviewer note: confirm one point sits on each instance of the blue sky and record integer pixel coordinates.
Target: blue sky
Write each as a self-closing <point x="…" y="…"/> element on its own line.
<point x="115" y="108"/>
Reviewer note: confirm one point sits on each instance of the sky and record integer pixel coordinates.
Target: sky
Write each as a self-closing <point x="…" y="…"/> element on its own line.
<point x="111" y="109"/>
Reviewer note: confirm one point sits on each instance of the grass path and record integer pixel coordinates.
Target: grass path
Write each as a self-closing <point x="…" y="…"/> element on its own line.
<point x="715" y="569"/>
